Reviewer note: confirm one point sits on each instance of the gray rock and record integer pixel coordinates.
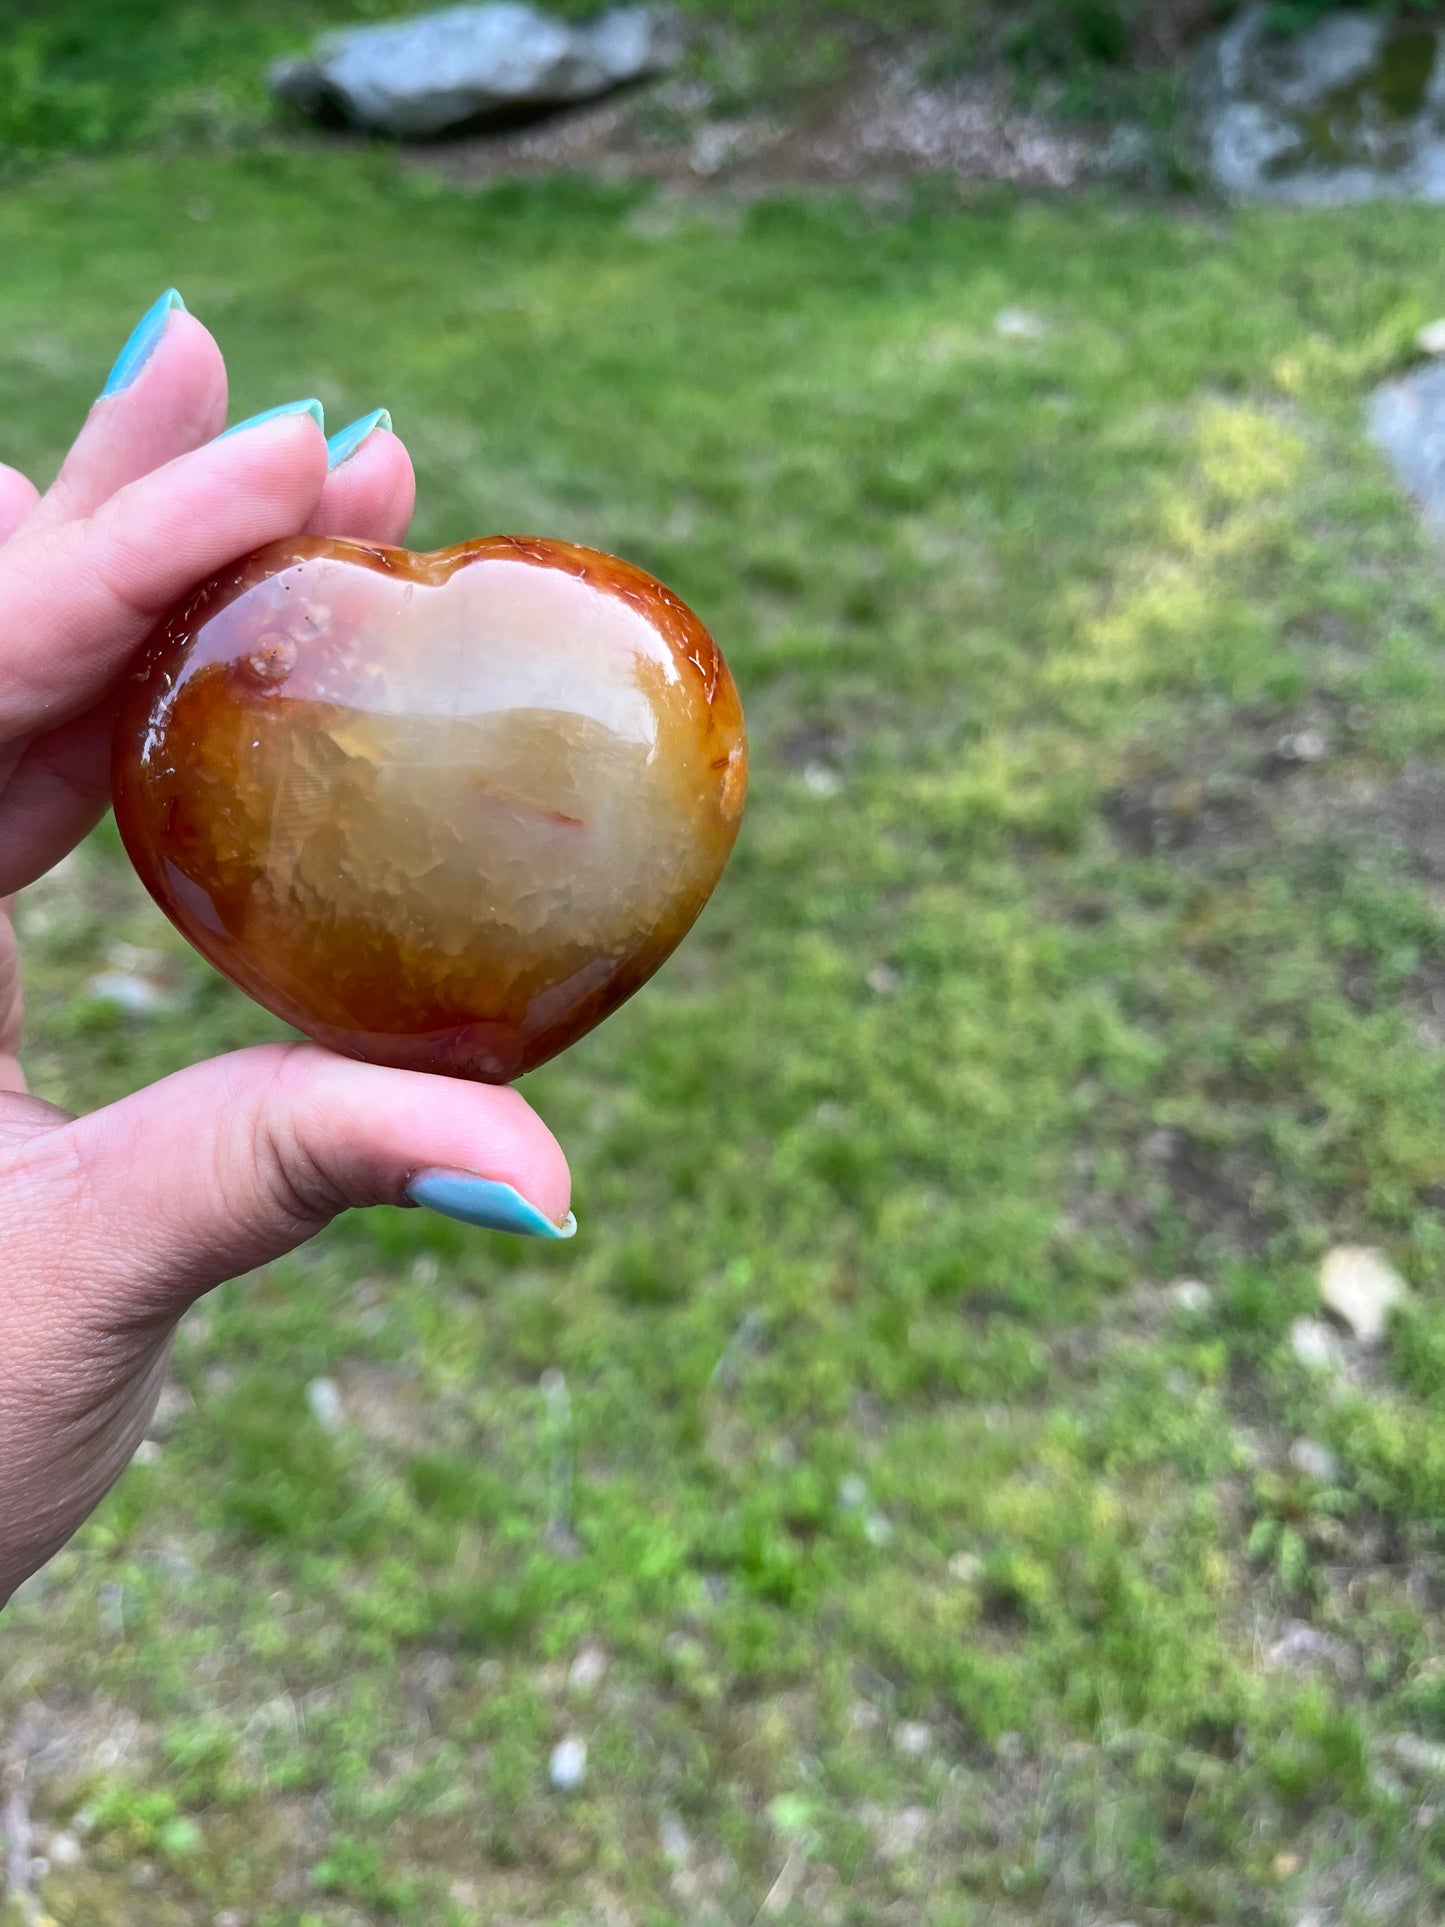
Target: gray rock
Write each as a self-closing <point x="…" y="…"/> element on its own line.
<point x="1351" y="110"/>
<point x="1303" y="1648"/>
<point x="1407" y="422"/>
<point x="1314" y="1461"/>
<point x="1420" y="1755"/>
<point x="442" y="70"/>
<point x="1190" y="1297"/>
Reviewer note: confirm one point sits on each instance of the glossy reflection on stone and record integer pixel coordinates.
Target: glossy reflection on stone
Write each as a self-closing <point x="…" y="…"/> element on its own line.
<point x="440" y="811"/>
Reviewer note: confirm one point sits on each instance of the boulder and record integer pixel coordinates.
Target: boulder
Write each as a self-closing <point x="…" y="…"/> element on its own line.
<point x="1353" y="109"/>
<point x="439" y="71"/>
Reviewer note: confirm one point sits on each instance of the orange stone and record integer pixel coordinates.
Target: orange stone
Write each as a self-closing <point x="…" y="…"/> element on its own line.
<point x="439" y="811"/>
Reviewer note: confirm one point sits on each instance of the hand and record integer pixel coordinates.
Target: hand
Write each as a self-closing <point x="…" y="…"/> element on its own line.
<point x="112" y="1224"/>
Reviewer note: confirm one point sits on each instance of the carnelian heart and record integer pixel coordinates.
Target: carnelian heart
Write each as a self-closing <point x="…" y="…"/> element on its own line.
<point x="439" y="811"/>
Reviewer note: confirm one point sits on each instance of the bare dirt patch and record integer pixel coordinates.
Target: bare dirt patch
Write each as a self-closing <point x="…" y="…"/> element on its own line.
<point x="883" y="122"/>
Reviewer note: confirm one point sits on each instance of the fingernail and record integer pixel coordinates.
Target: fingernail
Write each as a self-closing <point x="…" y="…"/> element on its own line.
<point x="484" y="1202"/>
<point x="345" y="442"/>
<point x="144" y="340"/>
<point x="312" y="408"/>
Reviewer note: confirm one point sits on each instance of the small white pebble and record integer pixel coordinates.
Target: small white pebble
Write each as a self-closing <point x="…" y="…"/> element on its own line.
<point x="1431" y="338"/>
<point x="148" y="1452"/>
<point x="1189" y="1296"/>
<point x="64" y="1850"/>
<point x="884" y="980"/>
<point x="966" y="1568"/>
<point x="674" y="1839"/>
<point x="1017" y="324"/>
<point x="136" y="996"/>
<point x="878" y="1530"/>
<point x="568" y="1767"/>
<point x="1303" y="746"/>
<point x="912" y="1738"/>
<point x="819" y="780"/>
<point x="1315" y="1345"/>
<point x="324" y="1399"/>
<point x="1314" y="1461"/>
<point x="864" y="1717"/>
<point x="587" y="1669"/>
<point x="852" y="1491"/>
<point x="1361" y="1287"/>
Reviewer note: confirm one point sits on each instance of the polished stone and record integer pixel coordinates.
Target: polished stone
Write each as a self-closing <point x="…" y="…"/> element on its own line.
<point x="438" y="811"/>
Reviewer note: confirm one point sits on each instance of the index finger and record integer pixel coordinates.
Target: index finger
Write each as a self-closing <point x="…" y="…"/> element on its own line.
<point x="77" y="600"/>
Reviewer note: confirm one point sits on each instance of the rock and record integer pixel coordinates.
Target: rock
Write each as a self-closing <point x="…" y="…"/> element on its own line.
<point x="1361" y="1288"/>
<point x="587" y="1670"/>
<point x="1303" y="1648"/>
<point x="1018" y="324"/>
<point x="1316" y="1345"/>
<point x="137" y="996"/>
<point x="1353" y="109"/>
<point x="1431" y="338"/>
<point x="901" y="1834"/>
<point x="1419" y="1754"/>
<point x="1189" y="1297"/>
<point x="421" y="77"/>
<point x="568" y="1767"/>
<point x="912" y="1738"/>
<point x="1314" y="1461"/>
<point x="1302" y="746"/>
<point x="324" y="1399"/>
<point x="966" y="1568"/>
<point x="675" y="1841"/>
<point x="1406" y="420"/>
<point x="64" y="1850"/>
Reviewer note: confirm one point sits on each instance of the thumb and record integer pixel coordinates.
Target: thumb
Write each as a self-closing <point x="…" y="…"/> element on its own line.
<point x="121" y="1218"/>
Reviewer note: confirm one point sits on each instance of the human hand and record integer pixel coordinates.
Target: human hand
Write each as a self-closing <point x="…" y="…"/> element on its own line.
<point x="112" y="1224"/>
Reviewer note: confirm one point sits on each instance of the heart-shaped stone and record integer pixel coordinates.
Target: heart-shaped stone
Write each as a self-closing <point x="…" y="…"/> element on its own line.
<point x="438" y="811"/>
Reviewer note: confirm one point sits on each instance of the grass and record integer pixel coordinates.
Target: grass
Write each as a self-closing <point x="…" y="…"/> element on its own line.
<point x="900" y="1547"/>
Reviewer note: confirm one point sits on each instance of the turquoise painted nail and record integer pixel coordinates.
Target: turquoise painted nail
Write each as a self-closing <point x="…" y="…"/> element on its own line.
<point x="345" y="442"/>
<point x="312" y="408"/>
<point x="144" y="340"/>
<point x="484" y="1202"/>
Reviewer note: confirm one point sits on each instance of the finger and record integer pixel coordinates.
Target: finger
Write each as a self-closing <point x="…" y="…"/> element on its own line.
<point x="18" y="496"/>
<point x="61" y="785"/>
<point x="173" y="400"/>
<point x="127" y="1215"/>
<point x="370" y="493"/>
<point x="77" y="600"/>
<point x="58" y="790"/>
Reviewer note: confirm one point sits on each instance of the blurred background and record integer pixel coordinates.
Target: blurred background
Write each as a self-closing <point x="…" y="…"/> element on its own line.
<point x="982" y="1461"/>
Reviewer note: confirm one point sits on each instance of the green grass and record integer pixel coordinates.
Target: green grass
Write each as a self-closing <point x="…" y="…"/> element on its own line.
<point x="935" y="1555"/>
